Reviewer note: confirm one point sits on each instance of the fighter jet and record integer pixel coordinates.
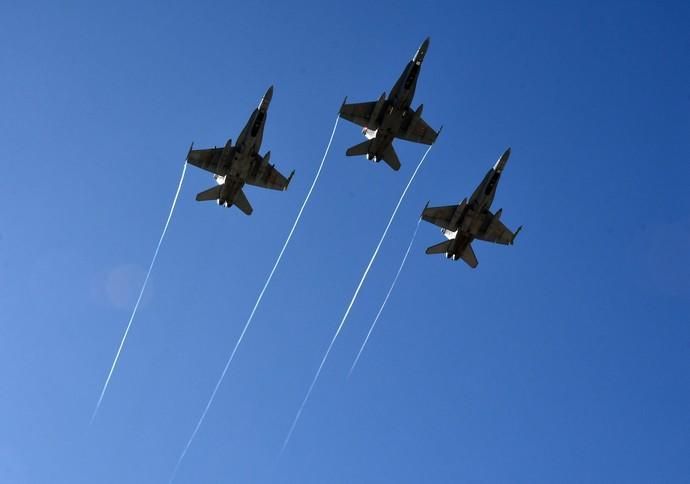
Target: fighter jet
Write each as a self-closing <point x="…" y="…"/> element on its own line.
<point x="233" y="166"/>
<point x="470" y="220"/>
<point x="391" y="117"/>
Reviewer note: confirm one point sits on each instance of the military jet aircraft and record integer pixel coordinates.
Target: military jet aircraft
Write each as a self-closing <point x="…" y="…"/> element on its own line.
<point x="233" y="166"/>
<point x="470" y="220"/>
<point x="386" y="119"/>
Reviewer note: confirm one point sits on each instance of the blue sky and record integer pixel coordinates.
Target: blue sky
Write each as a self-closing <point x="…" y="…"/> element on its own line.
<point x="561" y="359"/>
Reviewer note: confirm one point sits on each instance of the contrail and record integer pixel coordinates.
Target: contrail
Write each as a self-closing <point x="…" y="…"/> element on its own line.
<point x="256" y="305"/>
<point x="352" y="301"/>
<point x="141" y="293"/>
<point x="388" y="295"/>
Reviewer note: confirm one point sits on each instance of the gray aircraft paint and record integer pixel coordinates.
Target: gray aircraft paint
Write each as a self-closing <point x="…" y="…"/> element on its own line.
<point x="236" y="165"/>
<point x="471" y="219"/>
<point x="391" y="117"/>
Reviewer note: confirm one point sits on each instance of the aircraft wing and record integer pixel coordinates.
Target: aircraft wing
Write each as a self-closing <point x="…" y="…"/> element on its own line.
<point x="419" y="132"/>
<point x="440" y="216"/>
<point x="496" y="232"/>
<point x="358" y="113"/>
<point x="205" y="159"/>
<point x="267" y="176"/>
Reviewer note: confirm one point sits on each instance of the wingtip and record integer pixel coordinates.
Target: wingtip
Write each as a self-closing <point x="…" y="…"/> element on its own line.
<point x="190" y="151"/>
<point x="438" y="133"/>
<point x="516" y="234"/>
<point x="342" y="105"/>
<point x="289" y="179"/>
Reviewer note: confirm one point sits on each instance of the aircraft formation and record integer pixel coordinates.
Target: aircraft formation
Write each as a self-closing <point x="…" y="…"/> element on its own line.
<point x="390" y="117"/>
<point x="382" y="121"/>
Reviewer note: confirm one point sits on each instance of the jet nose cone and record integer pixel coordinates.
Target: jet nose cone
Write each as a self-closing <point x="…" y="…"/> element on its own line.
<point x="501" y="163"/>
<point x="419" y="55"/>
<point x="425" y="44"/>
<point x="269" y="94"/>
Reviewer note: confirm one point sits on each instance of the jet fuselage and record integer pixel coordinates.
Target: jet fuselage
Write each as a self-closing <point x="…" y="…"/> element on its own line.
<point x="468" y="219"/>
<point x="239" y="161"/>
<point x="391" y="115"/>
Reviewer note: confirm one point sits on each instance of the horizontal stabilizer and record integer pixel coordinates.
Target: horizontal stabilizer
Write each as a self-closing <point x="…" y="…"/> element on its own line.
<point x="212" y="193"/>
<point x="360" y="149"/>
<point x="441" y="248"/>
<point x="242" y="203"/>
<point x="390" y="157"/>
<point x="469" y="257"/>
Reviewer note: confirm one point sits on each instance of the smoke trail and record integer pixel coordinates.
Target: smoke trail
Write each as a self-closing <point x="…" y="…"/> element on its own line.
<point x="141" y="293"/>
<point x="256" y="305"/>
<point x="352" y="301"/>
<point x="388" y="295"/>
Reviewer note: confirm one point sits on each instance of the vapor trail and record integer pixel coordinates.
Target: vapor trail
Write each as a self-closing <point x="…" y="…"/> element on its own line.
<point x="141" y="293"/>
<point x="388" y="295"/>
<point x="256" y="305"/>
<point x="352" y="301"/>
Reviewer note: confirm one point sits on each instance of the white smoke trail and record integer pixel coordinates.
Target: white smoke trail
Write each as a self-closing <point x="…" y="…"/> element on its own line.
<point x="388" y="295"/>
<point x="256" y="305"/>
<point x="352" y="301"/>
<point x="141" y="293"/>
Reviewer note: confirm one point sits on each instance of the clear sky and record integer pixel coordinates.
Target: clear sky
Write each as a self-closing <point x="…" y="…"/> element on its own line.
<point x="564" y="358"/>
